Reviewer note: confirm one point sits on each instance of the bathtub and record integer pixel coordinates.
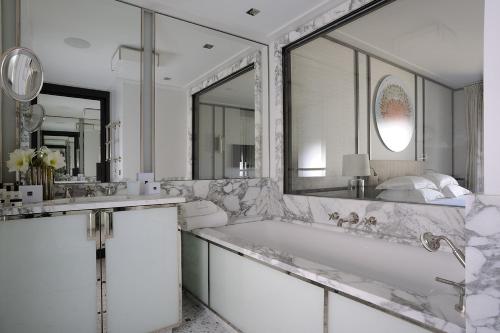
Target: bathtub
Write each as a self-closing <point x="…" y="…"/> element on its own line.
<point x="397" y="278"/>
<point x="405" y="267"/>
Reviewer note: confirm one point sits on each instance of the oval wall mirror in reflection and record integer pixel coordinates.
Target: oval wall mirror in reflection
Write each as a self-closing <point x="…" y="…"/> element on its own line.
<point x="394" y="114"/>
<point x="21" y="74"/>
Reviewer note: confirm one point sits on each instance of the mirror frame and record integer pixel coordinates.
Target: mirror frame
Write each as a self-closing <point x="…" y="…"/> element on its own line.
<point x="104" y="170"/>
<point x="195" y="100"/>
<point x="9" y="54"/>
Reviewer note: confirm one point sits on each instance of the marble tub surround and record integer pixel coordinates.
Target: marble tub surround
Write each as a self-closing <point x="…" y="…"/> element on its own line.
<point x="396" y="222"/>
<point x="434" y="309"/>
<point x="482" y="255"/>
<point x="252" y="198"/>
<point x="53" y="206"/>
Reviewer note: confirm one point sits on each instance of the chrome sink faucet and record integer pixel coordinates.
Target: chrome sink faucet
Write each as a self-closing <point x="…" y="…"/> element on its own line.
<point x="109" y="189"/>
<point x="432" y="243"/>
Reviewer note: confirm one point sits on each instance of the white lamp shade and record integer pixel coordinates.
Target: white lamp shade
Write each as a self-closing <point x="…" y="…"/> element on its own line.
<point x="355" y="165"/>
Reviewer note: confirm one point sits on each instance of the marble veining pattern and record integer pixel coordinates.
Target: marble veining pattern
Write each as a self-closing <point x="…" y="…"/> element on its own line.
<point x="398" y="222"/>
<point x="52" y="207"/>
<point x="482" y="274"/>
<point x="422" y="308"/>
<point x="238" y="197"/>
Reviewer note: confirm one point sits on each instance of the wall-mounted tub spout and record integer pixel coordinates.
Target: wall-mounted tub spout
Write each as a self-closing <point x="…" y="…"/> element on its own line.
<point x="432" y="243"/>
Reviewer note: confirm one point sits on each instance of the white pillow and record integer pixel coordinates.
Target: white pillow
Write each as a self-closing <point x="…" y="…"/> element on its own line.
<point x="441" y="180"/>
<point x="419" y="196"/>
<point x="454" y="191"/>
<point x="407" y="183"/>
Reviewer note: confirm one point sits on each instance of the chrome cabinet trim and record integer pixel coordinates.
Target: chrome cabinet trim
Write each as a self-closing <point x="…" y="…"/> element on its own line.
<point x="91" y="227"/>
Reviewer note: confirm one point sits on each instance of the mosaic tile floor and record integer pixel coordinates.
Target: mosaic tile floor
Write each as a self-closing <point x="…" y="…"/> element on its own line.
<point x="197" y="318"/>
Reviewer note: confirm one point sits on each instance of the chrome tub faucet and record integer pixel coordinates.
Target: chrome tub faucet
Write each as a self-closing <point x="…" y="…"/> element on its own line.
<point x="432" y="243"/>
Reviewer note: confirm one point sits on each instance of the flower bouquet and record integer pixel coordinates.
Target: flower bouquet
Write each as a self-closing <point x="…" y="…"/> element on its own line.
<point x="38" y="165"/>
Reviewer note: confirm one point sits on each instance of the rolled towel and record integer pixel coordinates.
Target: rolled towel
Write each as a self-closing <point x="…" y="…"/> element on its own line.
<point x="202" y="214"/>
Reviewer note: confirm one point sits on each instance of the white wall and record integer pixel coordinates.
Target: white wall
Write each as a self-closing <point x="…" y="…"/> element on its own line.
<point x="125" y="107"/>
<point x="170" y="132"/>
<point x="491" y="97"/>
<point x="91" y="150"/>
<point x="459" y="134"/>
<point x="324" y="114"/>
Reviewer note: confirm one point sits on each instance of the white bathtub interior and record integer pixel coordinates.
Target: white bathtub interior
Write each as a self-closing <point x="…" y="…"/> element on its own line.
<point x="402" y="266"/>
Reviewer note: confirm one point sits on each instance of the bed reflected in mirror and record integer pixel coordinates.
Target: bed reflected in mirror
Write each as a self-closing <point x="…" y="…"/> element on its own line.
<point x="388" y="106"/>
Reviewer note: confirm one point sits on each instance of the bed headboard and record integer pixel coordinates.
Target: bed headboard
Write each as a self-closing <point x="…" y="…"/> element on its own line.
<point x="386" y="169"/>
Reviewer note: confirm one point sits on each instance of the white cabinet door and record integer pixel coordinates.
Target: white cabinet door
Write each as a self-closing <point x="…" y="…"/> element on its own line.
<point x="142" y="271"/>
<point x="259" y="299"/>
<point x="348" y="316"/>
<point x="47" y="276"/>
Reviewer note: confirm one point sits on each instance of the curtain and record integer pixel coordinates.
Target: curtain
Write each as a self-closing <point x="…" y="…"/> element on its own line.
<point x="475" y="127"/>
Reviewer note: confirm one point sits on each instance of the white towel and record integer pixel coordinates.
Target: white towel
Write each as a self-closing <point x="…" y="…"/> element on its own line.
<point x="202" y="214"/>
<point x="198" y="208"/>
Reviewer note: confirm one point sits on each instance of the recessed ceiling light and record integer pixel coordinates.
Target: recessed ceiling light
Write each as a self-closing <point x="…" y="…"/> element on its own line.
<point x="208" y="46"/>
<point x="76" y="42"/>
<point x="253" y="11"/>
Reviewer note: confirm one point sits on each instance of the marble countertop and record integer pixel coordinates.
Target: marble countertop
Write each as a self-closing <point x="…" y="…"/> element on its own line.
<point x="75" y="204"/>
<point x="431" y="310"/>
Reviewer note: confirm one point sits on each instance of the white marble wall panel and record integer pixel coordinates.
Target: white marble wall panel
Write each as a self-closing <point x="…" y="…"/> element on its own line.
<point x="397" y="222"/>
<point x="482" y="271"/>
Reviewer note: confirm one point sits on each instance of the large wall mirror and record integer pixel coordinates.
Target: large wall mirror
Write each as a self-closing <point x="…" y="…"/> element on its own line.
<point x="97" y="46"/>
<point x="210" y="97"/>
<point x="388" y="104"/>
<point x="92" y="93"/>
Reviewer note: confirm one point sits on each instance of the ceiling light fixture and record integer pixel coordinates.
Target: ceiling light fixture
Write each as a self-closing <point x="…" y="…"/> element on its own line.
<point x="76" y="42"/>
<point x="253" y="11"/>
<point x="208" y="46"/>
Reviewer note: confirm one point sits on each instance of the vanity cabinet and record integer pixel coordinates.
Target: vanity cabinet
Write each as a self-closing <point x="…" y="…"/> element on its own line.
<point x="93" y="271"/>
<point x="143" y="284"/>
<point x="47" y="275"/>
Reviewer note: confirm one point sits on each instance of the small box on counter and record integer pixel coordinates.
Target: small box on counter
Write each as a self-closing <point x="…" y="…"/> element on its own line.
<point x="152" y="188"/>
<point x="31" y="193"/>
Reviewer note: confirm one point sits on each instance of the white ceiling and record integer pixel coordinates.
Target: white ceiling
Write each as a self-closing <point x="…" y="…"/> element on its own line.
<point x="236" y="92"/>
<point x="105" y="24"/>
<point x="275" y="17"/>
<point x="109" y="24"/>
<point x="441" y="39"/>
<point x="180" y="44"/>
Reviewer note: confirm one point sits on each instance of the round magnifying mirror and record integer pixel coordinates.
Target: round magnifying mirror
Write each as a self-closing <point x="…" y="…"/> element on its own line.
<point x="21" y="74"/>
